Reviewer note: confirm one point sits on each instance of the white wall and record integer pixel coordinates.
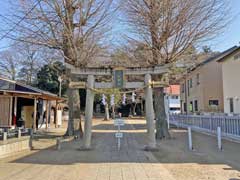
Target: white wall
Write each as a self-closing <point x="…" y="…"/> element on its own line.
<point x="231" y="82"/>
<point x="174" y="102"/>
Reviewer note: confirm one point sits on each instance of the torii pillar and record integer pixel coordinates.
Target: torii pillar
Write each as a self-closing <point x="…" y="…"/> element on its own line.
<point x="89" y="113"/>
<point x="149" y="113"/>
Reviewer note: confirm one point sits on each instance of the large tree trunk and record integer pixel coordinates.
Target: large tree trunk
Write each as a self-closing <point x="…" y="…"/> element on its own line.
<point x="74" y="121"/>
<point x="70" y="127"/>
<point x="161" y="119"/>
<point x="159" y="103"/>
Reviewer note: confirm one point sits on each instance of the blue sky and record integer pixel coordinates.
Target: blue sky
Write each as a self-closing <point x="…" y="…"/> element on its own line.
<point x="230" y="36"/>
<point x="225" y="40"/>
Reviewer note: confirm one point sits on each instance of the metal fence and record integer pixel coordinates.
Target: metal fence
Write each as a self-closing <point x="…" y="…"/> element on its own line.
<point x="14" y="133"/>
<point x="230" y="125"/>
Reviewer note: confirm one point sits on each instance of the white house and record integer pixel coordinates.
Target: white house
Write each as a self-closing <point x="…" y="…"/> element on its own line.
<point x="173" y="99"/>
<point x="231" y="81"/>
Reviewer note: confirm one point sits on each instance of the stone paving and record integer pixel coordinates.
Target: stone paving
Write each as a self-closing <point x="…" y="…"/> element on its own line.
<point x="103" y="162"/>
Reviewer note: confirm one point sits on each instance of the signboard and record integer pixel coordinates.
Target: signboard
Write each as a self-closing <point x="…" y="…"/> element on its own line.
<point x="156" y="84"/>
<point x="118" y="78"/>
<point x="119" y="135"/>
<point x="119" y="122"/>
<point x="77" y="85"/>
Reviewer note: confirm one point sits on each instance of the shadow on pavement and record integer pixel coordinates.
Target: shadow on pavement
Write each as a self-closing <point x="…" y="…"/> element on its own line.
<point x="104" y="150"/>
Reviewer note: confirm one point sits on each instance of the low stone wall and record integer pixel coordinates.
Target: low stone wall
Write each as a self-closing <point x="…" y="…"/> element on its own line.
<point x="12" y="146"/>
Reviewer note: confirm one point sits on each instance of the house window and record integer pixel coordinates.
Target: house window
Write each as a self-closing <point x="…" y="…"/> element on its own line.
<point x="174" y="97"/>
<point x="195" y="105"/>
<point x="191" y="106"/>
<point x="231" y="105"/>
<point x="213" y="103"/>
<point x="188" y="88"/>
<point x="191" y="83"/>
<point x="198" y="79"/>
<point x="174" y="109"/>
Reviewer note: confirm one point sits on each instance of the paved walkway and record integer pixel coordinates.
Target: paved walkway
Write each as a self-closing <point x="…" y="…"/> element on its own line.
<point x="104" y="162"/>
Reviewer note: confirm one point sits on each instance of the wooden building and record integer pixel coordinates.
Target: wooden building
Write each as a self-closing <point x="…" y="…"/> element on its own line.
<point x="24" y="106"/>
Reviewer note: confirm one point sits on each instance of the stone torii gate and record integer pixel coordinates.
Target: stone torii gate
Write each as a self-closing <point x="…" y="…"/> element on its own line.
<point x="118" y="74"/>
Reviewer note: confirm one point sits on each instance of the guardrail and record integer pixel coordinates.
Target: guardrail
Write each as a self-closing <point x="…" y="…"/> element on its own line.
<point x="230" y="125"/>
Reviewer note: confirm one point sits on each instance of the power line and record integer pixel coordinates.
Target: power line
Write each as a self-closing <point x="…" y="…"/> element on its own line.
<point x="18" y="23"/>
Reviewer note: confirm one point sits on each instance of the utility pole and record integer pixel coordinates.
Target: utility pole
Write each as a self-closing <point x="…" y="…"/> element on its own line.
<point x="60" y="86"/>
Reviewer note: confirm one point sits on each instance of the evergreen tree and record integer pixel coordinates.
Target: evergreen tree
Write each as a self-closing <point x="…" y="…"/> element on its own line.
<point x="47" y="77"/>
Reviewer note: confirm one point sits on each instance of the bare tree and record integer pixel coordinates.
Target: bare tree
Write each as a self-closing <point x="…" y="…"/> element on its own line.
<point x="30" y="62"/>
<point x="132" y="55"/>
<point x="50" y="56"/>
<point x="22" y="61"/>
<point x="76" y="28"/>
<point x="169" y="28"/>
<point x="9" y="64"/>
